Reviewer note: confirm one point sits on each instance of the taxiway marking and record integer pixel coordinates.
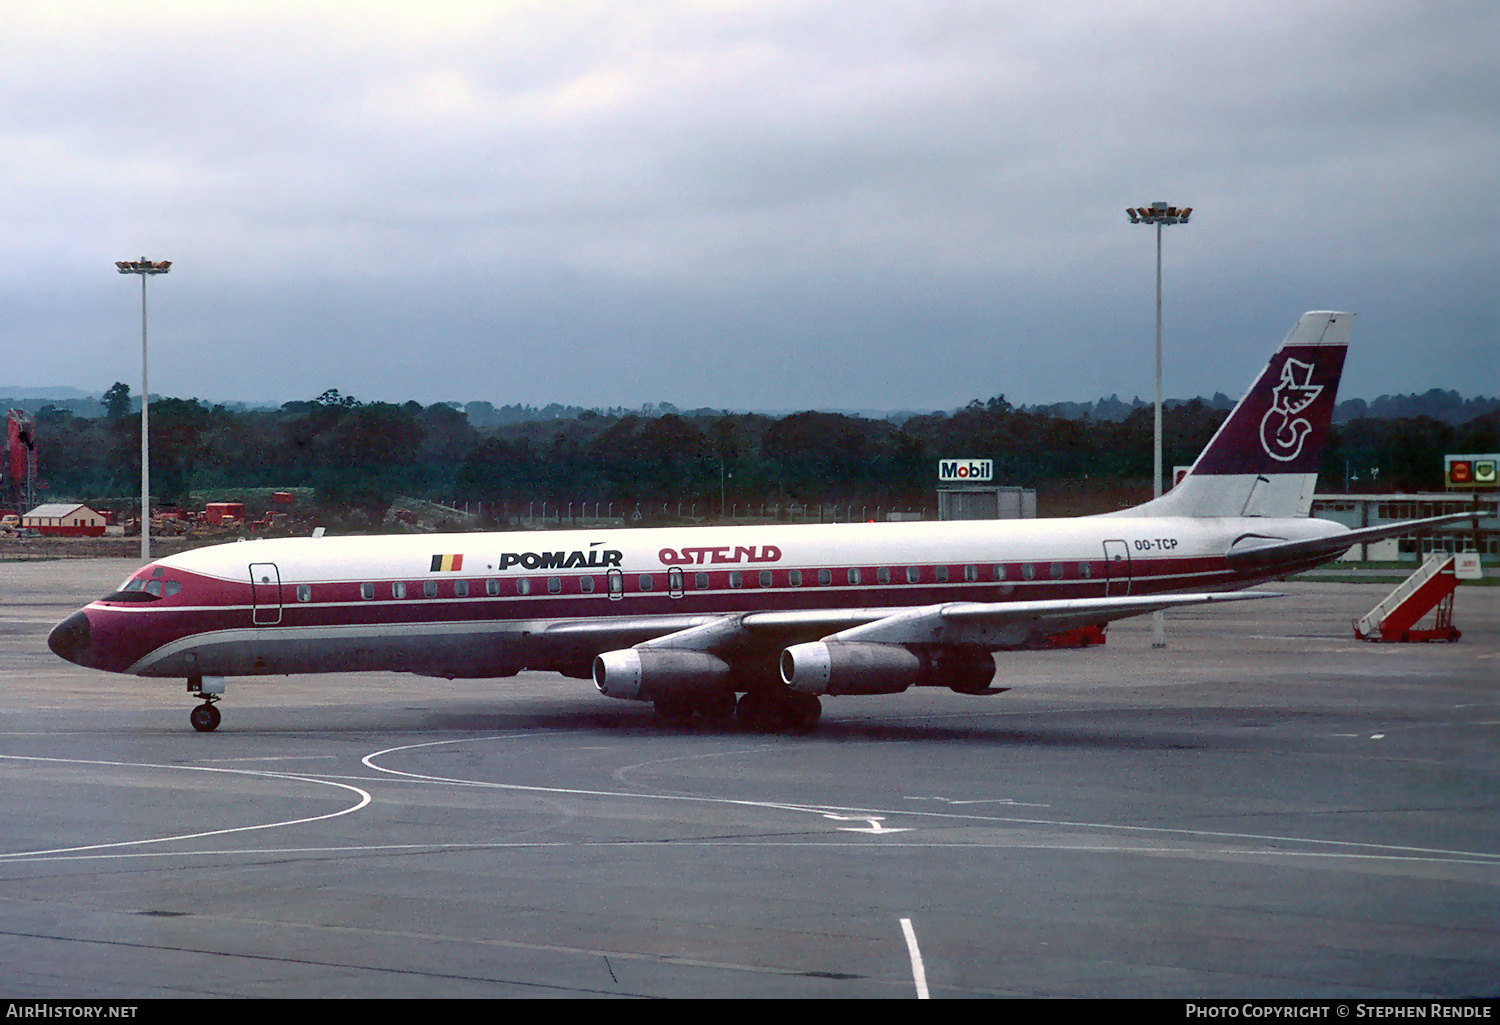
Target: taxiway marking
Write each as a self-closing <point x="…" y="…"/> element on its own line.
<point x="364" y="796"/>
<point x="918" y="970"/>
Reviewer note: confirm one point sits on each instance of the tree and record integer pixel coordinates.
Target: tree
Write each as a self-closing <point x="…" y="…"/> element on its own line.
<point x="116" y="401"/>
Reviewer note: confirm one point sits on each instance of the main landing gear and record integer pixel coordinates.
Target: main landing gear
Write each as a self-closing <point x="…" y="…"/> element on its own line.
<point x="713" y="705"/>
<point x="205" y="718"/>
<point x="778" y="710"/>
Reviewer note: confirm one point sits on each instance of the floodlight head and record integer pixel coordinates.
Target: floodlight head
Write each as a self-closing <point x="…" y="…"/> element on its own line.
<point x="1159" y="214"/>
<point x="143" y="266"/>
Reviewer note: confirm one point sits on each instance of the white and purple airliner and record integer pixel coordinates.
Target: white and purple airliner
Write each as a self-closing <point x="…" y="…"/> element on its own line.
<point x="753" y="621"/>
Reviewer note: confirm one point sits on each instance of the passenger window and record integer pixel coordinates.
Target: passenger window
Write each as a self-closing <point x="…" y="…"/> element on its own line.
<point x="854" y="575"/>
<point x="173" y="587"/>
<point x="304" y="592"/>
<point x="883" y="575"/>
<point x="1057" y="571"/>
<point x="941" y="574"/>
<point x="825" y="577"/>
<point x="971" y="573"/>
<point x="645" y="582"/>
<point x="523" y="586"/>
<point x="794" y="578"/>
<point x="765" y="578"/>
<point x="429" y="588"/>
<point x="736" y="579"/>
<point x="1085" y="570"/>
<point x="586" y="585"/>
<point x="554" y="585"/>
<point x="367" y="591"/>
<point x="999" y="572"/>
<point x="460" y="588"/>
<point x="398" y="590"/>
<point x="492" y="587"/>
<point x="914" y="574"/>
<point x="1028" y="571"/>
<point x="700" y="581"/>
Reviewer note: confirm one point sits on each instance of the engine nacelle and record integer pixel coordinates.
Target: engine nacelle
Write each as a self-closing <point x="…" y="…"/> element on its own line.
<point x="645" y="674"/>
<point x="839" y="667"/>
<point x="823" y="667"/>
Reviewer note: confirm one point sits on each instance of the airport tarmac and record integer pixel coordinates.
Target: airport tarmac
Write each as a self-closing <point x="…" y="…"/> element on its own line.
<point x="1265" y="808"/>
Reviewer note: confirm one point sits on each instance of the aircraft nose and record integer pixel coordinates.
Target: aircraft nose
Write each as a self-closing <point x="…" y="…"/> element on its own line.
<point x="71" y="639"/>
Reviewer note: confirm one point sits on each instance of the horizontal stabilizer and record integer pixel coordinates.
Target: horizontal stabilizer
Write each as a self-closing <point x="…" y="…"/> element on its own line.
<point x="1251" y="551"/>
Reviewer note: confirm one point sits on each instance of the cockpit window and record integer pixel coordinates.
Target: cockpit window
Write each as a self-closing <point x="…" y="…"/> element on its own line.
<point x="136" y="589"/>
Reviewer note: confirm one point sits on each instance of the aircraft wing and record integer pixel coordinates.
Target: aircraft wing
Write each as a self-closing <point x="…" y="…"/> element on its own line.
<point x="991" y="625"/>
<point x="997" y="625"/>
<point x="1251" y="551"/>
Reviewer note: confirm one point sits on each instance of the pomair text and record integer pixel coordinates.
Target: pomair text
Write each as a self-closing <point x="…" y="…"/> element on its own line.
<point x="594" y="558"/>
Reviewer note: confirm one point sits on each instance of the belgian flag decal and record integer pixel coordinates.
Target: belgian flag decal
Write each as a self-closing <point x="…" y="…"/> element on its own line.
<point x="446" y="563"/>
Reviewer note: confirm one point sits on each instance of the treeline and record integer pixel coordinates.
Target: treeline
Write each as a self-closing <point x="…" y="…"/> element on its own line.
<point x="359" y="455"/>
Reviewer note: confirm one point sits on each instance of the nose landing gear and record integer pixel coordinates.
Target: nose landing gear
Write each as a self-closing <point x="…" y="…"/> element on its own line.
<point x="205" y="718"/>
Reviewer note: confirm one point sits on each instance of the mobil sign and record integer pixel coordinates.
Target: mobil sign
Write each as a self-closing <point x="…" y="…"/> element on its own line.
<point x="965" y="470"/>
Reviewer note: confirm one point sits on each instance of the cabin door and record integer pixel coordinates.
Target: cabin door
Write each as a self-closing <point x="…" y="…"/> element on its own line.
<point x="1116" y="568"/>
<point x="265" y="594"/>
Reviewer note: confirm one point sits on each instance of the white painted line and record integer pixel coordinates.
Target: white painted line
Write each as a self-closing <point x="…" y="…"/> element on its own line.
<point x="364" y="799"/>
<point x="918" y="972"/>
<point x="1352" y="848"/>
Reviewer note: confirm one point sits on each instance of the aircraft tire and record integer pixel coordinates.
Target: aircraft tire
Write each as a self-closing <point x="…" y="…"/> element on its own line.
<point x="718" y="705"/>
<point x="205" y="718"/>
<point x="756" y="712"/>
<point x="788" y="712"/>
<point x="677" y="711"/>
<point x="802" y="712"/>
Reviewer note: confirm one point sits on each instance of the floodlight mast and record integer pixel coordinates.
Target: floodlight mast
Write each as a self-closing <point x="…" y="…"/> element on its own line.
<point x="1161" y="215"/>
<point x="144" y="267"/>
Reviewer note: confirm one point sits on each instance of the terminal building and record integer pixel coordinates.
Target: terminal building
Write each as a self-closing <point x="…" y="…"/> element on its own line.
<point x="1355" y="511"/>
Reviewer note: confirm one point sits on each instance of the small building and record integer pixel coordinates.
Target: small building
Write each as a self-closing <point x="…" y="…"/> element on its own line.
<point x="986" y="503"/>
<point x="64" y="519"/>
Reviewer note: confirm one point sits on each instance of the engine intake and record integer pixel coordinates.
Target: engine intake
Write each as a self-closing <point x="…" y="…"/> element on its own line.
<point x="646" y="674"/>
<point x="839" y="667"/>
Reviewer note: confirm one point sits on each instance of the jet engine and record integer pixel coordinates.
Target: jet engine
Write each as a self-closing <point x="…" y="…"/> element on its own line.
<point x="647" y="674"/>
<point x="839" y="667"/>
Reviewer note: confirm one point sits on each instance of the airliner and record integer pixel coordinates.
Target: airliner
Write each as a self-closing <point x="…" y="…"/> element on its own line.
<point x="752" y="622"/>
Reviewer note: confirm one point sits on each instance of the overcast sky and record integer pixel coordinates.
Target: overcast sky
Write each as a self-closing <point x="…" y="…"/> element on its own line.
<point x="775" y="205"/>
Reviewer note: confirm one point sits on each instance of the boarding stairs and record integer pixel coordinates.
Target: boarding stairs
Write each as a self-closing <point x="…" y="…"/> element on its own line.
<point x="1430" y="588"/>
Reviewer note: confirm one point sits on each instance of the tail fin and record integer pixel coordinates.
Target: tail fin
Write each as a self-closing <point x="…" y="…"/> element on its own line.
<point x="1263" y="461"/>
